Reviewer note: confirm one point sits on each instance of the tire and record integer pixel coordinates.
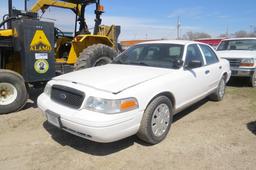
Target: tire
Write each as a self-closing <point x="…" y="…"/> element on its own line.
<point x="218" y="95"/>
<point x="120" y="48"/>
<point x="13" y="92"/>
<point x="253" y="79"/>
<point x="150" y="121"/>
<point x="95" y="55"/>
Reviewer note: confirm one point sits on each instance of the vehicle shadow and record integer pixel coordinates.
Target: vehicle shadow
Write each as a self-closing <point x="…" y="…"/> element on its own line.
<point x="102" y="149"/>
<point x="239" y="82"/>
<point x="190" y="109"/>
<point x="86" y="146"/>
<point x="33" y="95"/>
<point x="252" y="127"/>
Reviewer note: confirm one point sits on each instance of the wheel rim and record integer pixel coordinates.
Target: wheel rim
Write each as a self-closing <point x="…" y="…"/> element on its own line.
<point x="160" y="120"/>
<point x="222" y="88"/>
<point x="8" y="93"/>
<point x="254" y="80"/>
<point x="102" y="61"/>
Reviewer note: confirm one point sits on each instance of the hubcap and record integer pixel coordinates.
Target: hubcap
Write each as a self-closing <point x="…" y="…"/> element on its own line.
<point x="8" y="93"/>
<point x="102" y="61"/>
<point x="160" y="120"/>
<point x="254" y="79"/>
<point x="222" y="88"/>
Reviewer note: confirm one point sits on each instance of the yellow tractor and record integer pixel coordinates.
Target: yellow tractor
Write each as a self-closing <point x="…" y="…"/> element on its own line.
<point x="33" y="51"/>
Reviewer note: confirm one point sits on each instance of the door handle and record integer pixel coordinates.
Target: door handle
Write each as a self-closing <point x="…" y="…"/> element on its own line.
<point x="207" y="71"/>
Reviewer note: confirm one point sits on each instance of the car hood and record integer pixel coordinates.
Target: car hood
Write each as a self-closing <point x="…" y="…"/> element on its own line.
<point x="114" y="78"/>
<point x="236" y="54"/>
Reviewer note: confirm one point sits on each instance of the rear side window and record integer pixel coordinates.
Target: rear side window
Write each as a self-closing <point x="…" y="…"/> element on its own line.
<point x="209" y="54"/>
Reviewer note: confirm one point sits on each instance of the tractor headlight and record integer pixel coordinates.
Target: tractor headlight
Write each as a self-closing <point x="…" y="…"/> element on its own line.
<point x="48" y="89"/>
<point x="111" y="106"/>
<point x="247" y="62"/>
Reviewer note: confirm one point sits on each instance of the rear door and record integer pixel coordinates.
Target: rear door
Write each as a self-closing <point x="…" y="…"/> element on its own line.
<point x="214" y="68"/>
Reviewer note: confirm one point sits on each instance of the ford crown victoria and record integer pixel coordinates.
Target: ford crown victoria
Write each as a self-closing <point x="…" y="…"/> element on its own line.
<point x="137" y="94"/>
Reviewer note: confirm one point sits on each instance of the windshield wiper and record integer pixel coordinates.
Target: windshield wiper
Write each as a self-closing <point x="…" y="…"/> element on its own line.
<point x="117" y="62"/>
<point x="138" y="63"/>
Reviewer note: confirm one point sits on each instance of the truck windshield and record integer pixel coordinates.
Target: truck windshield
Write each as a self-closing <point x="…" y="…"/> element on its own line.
<point x="154" y="55"/>
<point x="245" y="44"/>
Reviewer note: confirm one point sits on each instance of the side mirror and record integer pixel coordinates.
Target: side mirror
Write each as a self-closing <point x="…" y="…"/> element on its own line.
<point x="194" y="64"/>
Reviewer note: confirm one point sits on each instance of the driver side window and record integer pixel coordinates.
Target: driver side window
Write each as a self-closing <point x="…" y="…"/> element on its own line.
<point x="194" y="55"/>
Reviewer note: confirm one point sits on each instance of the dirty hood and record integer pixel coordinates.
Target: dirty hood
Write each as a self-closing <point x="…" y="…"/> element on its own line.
<point x="236" y="54"/>
<point x="114" y="78"/>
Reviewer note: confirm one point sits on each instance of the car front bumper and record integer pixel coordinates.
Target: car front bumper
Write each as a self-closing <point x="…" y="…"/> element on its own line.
<point x="242" y="72"/>
<point x="90" y="125"/>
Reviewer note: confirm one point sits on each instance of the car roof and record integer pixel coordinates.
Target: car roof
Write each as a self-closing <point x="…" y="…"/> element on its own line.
<point x="244" y="38"/>
<point x="180" y="42"/>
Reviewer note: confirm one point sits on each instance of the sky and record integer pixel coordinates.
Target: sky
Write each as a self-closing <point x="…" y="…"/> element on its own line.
<point x="157" y="19"/>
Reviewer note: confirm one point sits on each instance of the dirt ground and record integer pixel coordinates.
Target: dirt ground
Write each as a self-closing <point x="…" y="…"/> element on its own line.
<point x="208" y="135"/>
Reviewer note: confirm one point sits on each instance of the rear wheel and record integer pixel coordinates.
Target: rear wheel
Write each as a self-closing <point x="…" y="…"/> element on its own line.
<point x="253" y="79"/>
<point x="13" y="92"/>
<point x="95" y="55"/>
<point x="218" y="95"/>
<point x="156" y="120"/>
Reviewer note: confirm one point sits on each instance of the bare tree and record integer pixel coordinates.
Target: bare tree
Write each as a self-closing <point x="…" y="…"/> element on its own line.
<point x="243" y="33"/>
<point x="195" y="35"/>
<point x="223" y="35"/>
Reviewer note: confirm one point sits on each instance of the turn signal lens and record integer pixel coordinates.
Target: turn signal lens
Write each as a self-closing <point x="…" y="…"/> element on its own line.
<point x="128" y="104"/>
<point x="247" y="64"/>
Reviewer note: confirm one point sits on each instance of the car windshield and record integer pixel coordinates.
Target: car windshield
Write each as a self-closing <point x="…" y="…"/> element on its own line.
<point x="153" y="55"/>
<point x="245" y="44"/>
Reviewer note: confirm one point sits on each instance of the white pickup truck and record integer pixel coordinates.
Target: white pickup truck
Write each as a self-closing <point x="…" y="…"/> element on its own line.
<point x="138" y="93"/>
<point x="241" y="53"/>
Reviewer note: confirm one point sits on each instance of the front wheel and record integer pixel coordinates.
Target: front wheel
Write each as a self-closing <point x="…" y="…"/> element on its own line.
<point x="218" y="95"/>
<point x="13" y="92"/>
<point x="156" y="121"/>
<point x="253" y="79"/>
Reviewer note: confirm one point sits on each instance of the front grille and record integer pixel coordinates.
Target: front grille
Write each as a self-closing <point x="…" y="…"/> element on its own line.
<point x="67" y="96"/>
<point x="234" y="62"/>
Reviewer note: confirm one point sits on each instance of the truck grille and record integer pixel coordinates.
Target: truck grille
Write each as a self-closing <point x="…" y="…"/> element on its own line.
<point x="67" y="96"/>
<point x="234" y="62"/>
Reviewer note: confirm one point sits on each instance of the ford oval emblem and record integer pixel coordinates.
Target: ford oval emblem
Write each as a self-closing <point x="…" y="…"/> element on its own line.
<point x="63" y="96"/>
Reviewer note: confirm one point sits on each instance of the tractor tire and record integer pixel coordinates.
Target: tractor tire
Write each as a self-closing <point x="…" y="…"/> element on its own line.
<point x="13" y="92"/>
<point x="95" y="55"/>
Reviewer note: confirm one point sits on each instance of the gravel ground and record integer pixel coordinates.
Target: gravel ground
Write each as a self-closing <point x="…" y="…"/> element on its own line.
<point x="208" y="135"/>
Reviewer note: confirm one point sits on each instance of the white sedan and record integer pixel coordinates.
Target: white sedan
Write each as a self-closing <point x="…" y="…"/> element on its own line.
<point x="138" y="93"/>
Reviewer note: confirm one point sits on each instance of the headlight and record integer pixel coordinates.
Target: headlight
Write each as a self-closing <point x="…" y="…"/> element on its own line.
<point x="247" y="62"/>
<point x="111" y="106"/>
<point x="48" y="89"/>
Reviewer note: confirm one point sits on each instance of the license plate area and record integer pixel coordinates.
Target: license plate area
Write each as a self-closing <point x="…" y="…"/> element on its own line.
<point x="53" y="118"/>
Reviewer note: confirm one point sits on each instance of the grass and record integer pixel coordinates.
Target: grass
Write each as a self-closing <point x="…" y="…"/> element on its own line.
<point x="244" y="92"/>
